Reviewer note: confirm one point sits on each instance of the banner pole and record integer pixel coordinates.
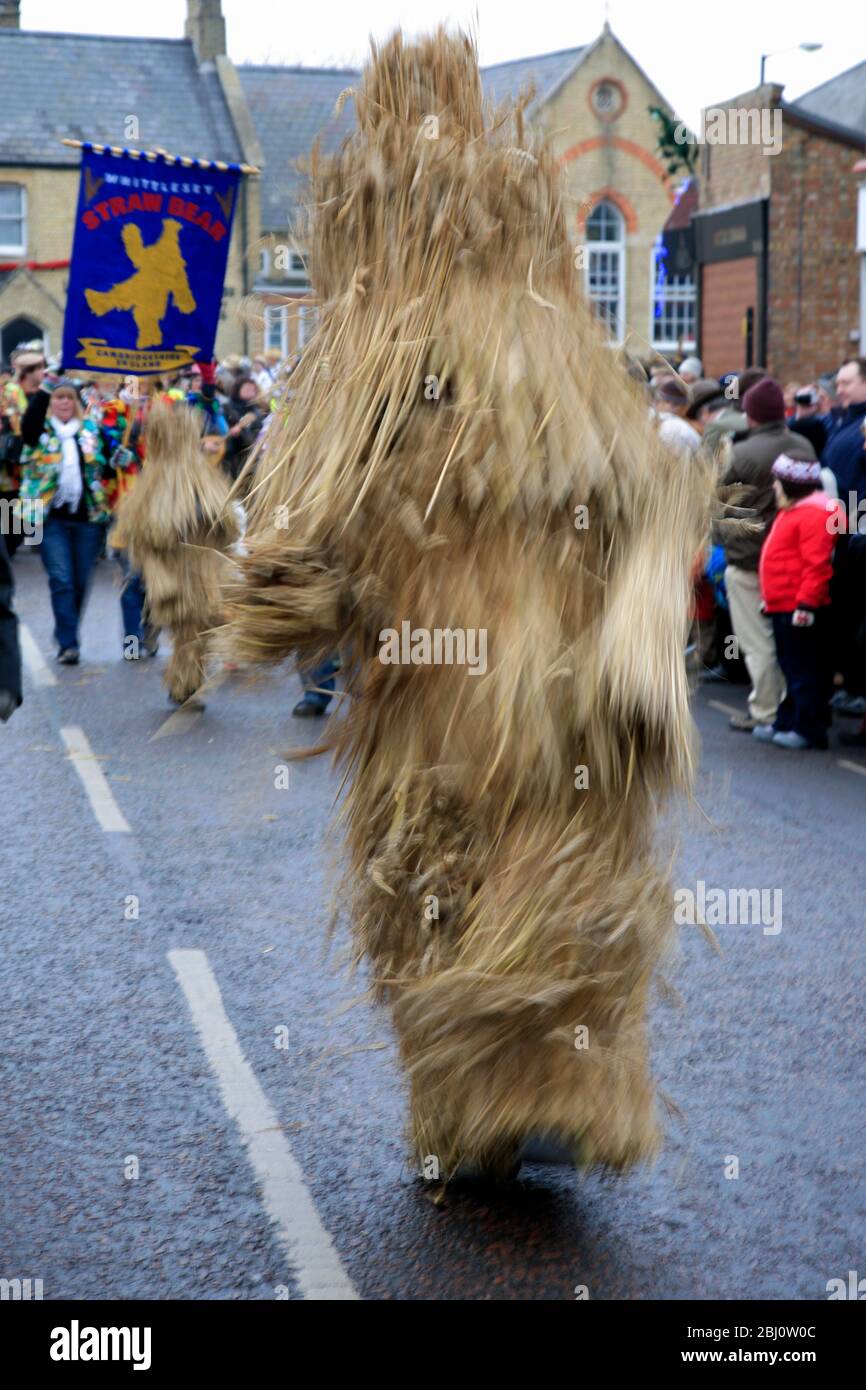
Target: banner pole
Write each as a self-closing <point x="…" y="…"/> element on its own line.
<point x="184" y="161"/>
<point x="132" y="411"/>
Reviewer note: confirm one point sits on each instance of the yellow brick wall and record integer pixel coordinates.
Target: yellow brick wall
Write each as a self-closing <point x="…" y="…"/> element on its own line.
<point x="571" y="121"/>
<point x="52" y="197"/>
<point x="736" y="173"/>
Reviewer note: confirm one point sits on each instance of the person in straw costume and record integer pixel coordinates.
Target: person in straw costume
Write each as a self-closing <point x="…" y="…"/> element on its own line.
<point x="462" y="454"/>
<point x="175" y="525"/>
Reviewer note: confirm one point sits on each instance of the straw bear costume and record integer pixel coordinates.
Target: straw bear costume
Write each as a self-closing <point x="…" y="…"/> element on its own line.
<point x="464" y="454"/>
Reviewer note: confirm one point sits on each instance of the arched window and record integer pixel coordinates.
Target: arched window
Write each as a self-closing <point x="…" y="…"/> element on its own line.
<point x="605" y="266"/>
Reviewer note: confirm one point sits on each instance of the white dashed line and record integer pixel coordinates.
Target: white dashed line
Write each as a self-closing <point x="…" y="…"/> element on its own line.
<point x="39" y="670"/>
<point x="314" y="1261"/>
<point x="105" y="808"/>
<point x="852" y="767"/>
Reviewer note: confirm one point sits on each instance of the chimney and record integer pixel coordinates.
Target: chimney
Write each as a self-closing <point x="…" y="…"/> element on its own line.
<point x="206" y="27"/>
<point x="10" y="14"/>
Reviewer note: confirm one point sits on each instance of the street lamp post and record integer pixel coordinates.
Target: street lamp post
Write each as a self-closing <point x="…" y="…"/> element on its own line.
<point x="806" y="47"/>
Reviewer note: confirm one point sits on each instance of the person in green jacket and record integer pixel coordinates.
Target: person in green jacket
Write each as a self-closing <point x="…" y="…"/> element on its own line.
<point x="66" y="483"/>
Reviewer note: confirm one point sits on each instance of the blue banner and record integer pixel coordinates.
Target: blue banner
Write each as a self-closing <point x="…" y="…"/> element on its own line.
<point x="148" y="262"/>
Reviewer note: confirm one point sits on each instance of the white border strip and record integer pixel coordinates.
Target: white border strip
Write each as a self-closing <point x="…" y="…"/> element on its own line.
<point x="314" y="1261"/>
<point x="39" y="670"/>
<point x="105" y="808"/>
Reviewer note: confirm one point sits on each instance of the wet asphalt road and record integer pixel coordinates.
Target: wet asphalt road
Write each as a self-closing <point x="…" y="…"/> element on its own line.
<point x="101" y="1064"/>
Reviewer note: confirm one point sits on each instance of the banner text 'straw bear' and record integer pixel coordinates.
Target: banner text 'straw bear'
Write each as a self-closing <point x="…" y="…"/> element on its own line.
<point x="148" y="263"/>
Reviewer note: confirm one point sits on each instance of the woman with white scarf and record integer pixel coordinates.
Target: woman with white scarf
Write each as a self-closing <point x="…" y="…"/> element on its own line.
<point x="64" y="476"/>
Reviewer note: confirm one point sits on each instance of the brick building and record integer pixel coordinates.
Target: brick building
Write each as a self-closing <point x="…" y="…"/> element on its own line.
<point x="776" y="234"/>
<point x="592" y="101"/>
<point x="180" y="94"/>
<point x="290" y="107"/>
<point x="187" y="96"/>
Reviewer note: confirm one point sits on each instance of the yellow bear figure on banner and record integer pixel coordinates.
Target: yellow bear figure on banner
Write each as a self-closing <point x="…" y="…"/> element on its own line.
<point x="160" y="273"/>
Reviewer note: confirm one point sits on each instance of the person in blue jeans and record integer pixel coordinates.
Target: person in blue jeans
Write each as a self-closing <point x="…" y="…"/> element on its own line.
<point x="64" y="479"/>
<point x="69" y="550"/>
<point x="132" y="601"/>
<point x="318" y="689"/>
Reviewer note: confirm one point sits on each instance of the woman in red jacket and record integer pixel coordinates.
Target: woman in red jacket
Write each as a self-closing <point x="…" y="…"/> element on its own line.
<point x="795" y="570"/>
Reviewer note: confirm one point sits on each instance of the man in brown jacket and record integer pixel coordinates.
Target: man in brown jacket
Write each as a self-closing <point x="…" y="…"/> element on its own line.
<point x="751" y="463"/>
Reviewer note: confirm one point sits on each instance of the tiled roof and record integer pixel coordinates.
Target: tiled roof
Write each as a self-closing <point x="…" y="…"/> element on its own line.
<point x="86" y="86"/>
<point x="841" y="100"/>
<point x="507" y="80"/>
<point x="289" y="108"/>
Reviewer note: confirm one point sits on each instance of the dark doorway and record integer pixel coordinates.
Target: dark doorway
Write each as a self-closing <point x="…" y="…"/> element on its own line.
<point x="15" y="333"/>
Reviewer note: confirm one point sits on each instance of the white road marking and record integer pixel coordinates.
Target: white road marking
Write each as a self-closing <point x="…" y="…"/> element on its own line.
<point x="852" y="767"/>
<point x="314" y="1261"/>
<point x="35" y="662"/>
<point x="105" y="808"/>
<point x="725" y="709"/>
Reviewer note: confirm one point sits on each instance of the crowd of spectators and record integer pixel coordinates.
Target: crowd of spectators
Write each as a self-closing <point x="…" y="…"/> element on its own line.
<point x="780" y="602"/>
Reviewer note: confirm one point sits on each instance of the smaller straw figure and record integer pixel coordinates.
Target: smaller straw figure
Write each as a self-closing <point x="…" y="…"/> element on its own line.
<point x="175" y="525"/>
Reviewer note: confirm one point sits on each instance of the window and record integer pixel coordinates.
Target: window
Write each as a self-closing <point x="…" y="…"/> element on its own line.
<point x="674" y="311"/>
<point x="13" y="220"/>
<point x="276" y="329"/>
<point x="289" y="327"/>
<point x="605" y="266"/>
<point x="308" y="317"/>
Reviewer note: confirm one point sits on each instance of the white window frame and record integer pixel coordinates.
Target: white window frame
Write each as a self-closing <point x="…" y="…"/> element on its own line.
<point x="277" y="313"/>
<point x="308" y="318"/>
<point x="617" y="249"/>
<point x="7" y="248"/>
<point x="675" y="290"/>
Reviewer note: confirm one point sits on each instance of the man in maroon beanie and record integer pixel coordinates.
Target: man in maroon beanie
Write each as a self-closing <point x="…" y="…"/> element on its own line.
<point x="751" y="464"/>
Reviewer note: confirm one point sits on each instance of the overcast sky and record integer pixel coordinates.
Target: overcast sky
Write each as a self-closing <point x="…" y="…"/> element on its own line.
<point x="696" y="54"/>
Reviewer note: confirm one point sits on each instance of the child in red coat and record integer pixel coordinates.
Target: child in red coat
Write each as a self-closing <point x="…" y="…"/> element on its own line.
<point x="795" y="570"/>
